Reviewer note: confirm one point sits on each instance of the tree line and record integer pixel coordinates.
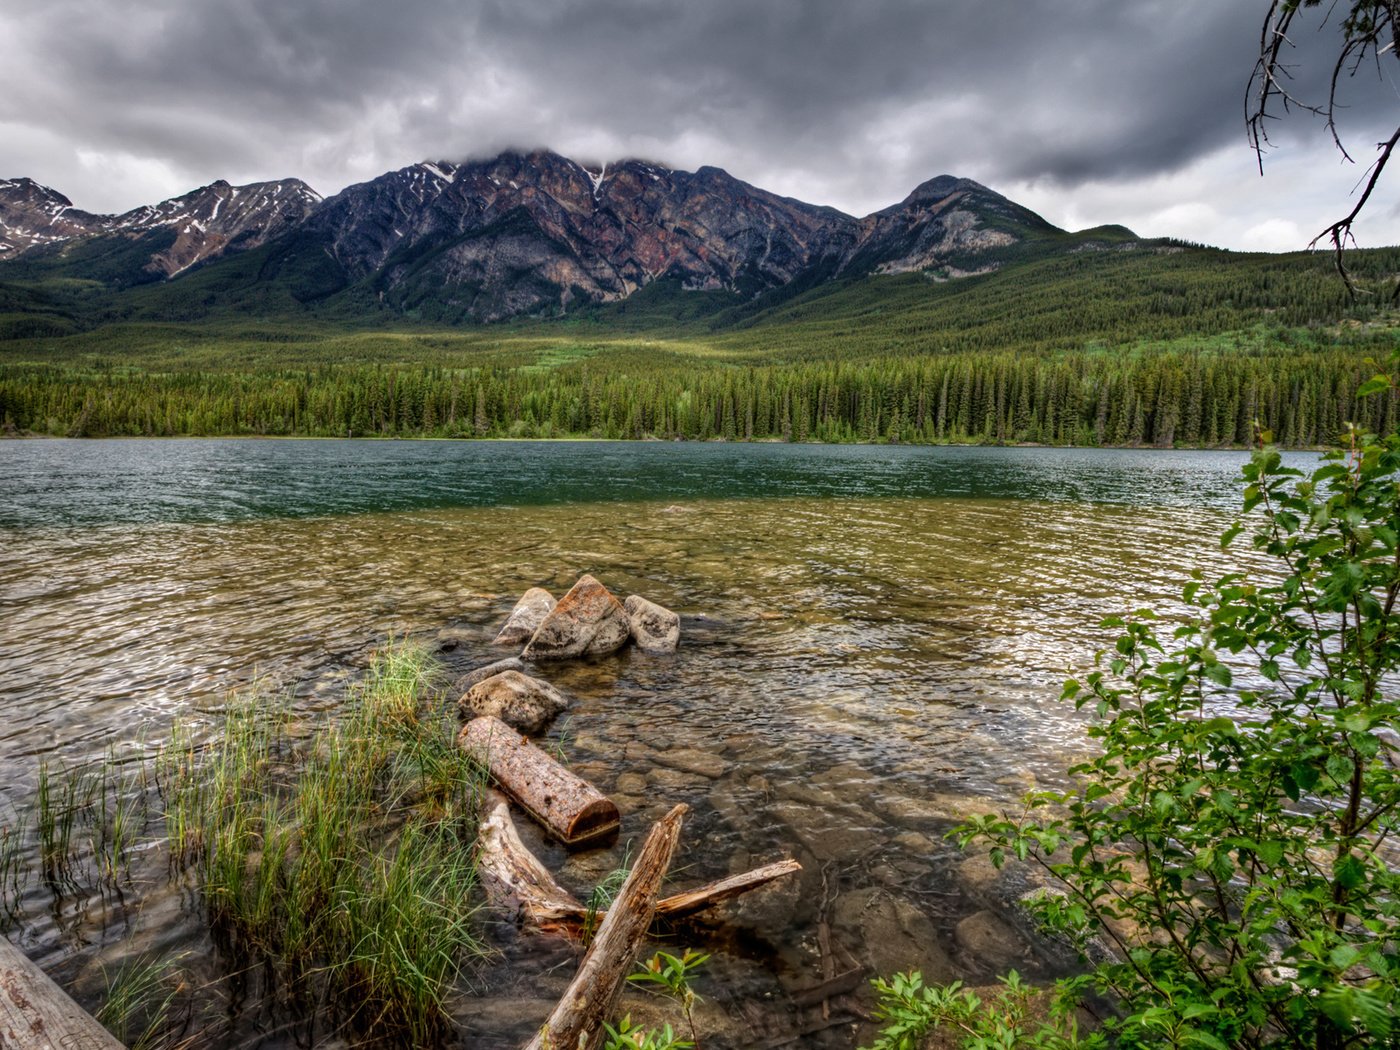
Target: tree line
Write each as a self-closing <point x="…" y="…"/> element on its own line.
<point x="1162" y="398"/>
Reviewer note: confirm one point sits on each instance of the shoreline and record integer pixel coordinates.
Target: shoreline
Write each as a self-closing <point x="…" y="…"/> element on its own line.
<point x="584" y="439"/>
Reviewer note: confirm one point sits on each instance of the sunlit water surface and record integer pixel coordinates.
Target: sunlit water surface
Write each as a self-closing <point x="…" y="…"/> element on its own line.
<point x="873" y="644"/>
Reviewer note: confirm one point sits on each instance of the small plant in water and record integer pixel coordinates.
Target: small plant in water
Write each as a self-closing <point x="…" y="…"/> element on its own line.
<point x="116" y="813"/>
<point x="88" y="817"/>
<point x="58" y="800"/>
<point x="626" y="1037"/>
<point x="14" y="869"/>
<point x="671" y="975"/>
<point x="602" y="897"/>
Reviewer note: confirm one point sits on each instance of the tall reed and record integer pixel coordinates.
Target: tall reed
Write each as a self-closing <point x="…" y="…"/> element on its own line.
<point x="14" y="866"/>
<point x="98" y="804"/>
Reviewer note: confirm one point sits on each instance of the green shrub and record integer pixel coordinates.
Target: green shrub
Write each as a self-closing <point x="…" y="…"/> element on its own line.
<point x="913" y="1010"/>
<point x="1232" y="845"/>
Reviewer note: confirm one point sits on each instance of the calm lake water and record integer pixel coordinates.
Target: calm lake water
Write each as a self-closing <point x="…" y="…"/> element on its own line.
<point x="873" y="643"/>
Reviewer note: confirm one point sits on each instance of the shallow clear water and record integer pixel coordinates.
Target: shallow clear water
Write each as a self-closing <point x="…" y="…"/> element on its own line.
<point x="873" y="642"/>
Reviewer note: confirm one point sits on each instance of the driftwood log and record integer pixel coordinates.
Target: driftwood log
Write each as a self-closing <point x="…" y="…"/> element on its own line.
<point x="578" y="1018"/>
<point x="36" y="1014"/>
<point x="514" y="879"/>
<point x="569" y="807"/>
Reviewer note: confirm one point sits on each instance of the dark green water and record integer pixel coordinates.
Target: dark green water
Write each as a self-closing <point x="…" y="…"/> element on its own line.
<point x="212" y="480"/>
<point x="873" y="643"/>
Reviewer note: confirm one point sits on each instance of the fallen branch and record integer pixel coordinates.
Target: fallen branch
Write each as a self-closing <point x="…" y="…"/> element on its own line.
<point x="824" y="939"/>
<point x="815" y="1027"/>
<point x="514" y="879"/>
<point x="577" y="1020"/>
<point x="712" y="893"/>
<point x="841" y="984"/>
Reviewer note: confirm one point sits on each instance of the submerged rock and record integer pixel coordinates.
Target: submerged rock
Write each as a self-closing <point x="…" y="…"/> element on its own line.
<point x="630" y="783"/>
<point x="889" y="934"/>
<point x="522" y="702"/>
<point x="524" y="620"/>
<point x="654" y="628"/>
<point x="588" y="621"/>
<point x="509" y="1020"/>
<point x="471" y="678"/>
<point x="692" y="760"/>
<point x="991" y="945"/>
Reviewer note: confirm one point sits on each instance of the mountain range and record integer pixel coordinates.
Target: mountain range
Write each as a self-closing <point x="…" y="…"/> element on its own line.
<point x="523" y="233"/>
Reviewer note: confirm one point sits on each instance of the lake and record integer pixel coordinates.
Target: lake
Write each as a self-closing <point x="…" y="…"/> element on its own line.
<point x="874" y="639"/>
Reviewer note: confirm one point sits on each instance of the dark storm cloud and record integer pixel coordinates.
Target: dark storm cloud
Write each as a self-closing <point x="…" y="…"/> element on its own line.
<point x="839" y="102"/>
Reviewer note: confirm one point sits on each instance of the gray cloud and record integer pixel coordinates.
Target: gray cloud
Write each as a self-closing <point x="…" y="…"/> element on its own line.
<point x="850" y="104"/>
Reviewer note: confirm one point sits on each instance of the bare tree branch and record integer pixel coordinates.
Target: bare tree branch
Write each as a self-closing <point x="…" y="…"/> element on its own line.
<point x="1370" y="30"/>
<point x="1339" y="233"/>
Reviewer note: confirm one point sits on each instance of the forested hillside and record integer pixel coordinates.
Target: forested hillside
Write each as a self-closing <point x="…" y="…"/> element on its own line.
<point x="1151" y="344"/>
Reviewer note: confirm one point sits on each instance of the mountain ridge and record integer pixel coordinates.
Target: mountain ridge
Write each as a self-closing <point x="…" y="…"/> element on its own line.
<point x="521" y="233"/>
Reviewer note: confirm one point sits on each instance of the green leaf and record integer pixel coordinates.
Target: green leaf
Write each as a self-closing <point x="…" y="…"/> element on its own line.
<point x="1349" y="872"/>
<point x="1340" y="768"/>
<point x="1373" y="385"/>
<point x="1304" y="774"/>
<point x="1201" y="1038"/>
<point x="1221" y="726"/>
<point x="1343" y="956"/>
<point x="1219" y="674"/>
<point x="1356" y="723"/>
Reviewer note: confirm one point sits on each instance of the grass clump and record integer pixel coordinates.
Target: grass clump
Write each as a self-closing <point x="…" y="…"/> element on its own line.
<point x="336" y="861"/>
<point x="406" y="921"/>
<point x="602" y="897"/>
<point x="143" y="1005"/>
<point x="339" y="861"/>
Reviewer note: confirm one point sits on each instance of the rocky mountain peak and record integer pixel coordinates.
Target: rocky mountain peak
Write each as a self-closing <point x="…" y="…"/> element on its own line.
<point x="213" y="219"/>
<point x="529" y="231"/>
<point x="199" y="225"/>
<point x="33" y="215"/>
<point x="25" y="189"/>
<point x="940" y="187"/>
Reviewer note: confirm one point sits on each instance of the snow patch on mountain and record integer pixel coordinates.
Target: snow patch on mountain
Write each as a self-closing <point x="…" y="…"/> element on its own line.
<point x="441" y="173"/>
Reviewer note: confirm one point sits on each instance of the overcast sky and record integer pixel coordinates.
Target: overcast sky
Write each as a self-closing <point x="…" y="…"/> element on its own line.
<point x="1088" y="111"/>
